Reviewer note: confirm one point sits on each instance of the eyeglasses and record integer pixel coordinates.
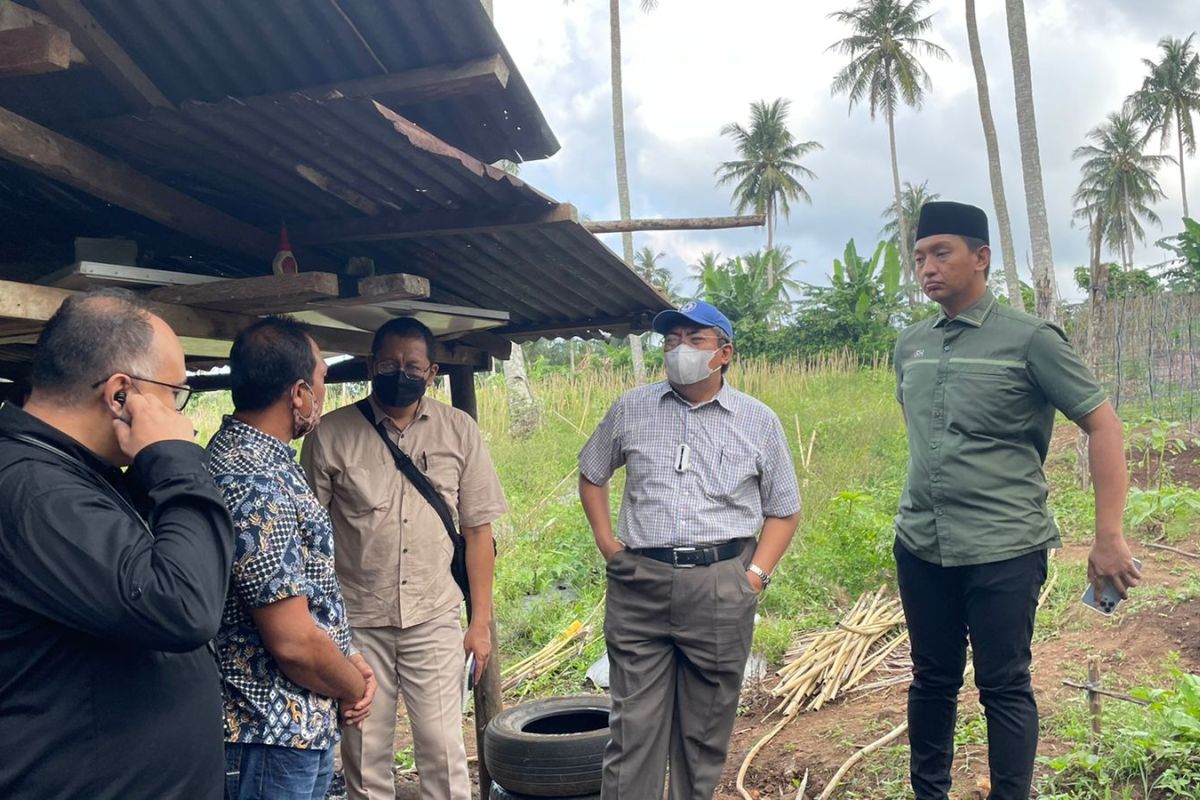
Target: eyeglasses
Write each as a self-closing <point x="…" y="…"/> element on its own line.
<point x="671" y="341"/>
<point x="181" y="394"/>
<point x="412" y="371"/>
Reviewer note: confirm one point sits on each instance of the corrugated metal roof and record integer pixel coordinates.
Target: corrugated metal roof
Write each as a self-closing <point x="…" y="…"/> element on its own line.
<point x="300" y="159"/>
<point x="213" y="49"/>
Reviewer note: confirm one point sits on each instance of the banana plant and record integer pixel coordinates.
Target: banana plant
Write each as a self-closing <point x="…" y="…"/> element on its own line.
<point x="867" y="283"/>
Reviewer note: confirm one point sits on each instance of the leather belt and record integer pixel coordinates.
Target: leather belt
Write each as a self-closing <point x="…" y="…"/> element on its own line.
<point x="700" y="556"/>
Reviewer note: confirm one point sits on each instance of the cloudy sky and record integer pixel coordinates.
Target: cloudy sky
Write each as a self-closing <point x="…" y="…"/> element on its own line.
<point x="693" y="65"/>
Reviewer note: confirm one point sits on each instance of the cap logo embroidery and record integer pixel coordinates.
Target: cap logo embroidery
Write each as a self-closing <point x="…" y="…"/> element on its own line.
<point x="918" y="353"/>
<point x="688" y="306"/>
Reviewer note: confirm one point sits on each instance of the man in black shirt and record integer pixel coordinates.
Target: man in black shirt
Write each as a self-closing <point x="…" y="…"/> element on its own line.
<point x="113" y="582"/>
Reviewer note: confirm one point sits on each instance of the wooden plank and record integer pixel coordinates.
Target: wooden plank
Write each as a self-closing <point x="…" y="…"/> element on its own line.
<point x="105" y="54"/>
<point x="41" y="150"/>
<point x="265" y="294"/>
<point x="451" y="222"/>
<point x="34" y="51"/>
<point x="413" y="86"/>
<point x="681" y="224"/>
<point x="15" y="15"/>
<point x="27" y="302"/>
<point x="393" y="286"/>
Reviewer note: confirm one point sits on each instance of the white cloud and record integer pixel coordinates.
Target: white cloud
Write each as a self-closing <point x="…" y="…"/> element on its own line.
<point x="693" y="65"/>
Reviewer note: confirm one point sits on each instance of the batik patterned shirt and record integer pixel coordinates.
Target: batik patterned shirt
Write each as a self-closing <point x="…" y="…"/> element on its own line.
<point x="283" y="549"/>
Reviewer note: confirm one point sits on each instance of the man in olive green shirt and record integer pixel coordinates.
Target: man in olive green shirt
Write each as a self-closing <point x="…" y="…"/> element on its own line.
<point x="980" y="384"/>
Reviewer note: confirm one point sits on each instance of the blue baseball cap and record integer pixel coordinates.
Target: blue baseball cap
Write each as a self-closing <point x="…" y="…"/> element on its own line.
<point x="696" y="312"/>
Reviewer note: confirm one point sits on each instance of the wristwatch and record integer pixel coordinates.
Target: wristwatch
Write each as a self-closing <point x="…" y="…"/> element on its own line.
<point x="761" y="573"/>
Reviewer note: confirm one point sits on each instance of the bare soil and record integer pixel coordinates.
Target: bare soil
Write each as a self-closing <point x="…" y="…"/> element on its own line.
<point x="1131" y="646"/>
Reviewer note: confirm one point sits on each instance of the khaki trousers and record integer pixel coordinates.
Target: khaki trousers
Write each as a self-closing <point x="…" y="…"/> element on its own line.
<point x="678" y="640"/>
<point x="425" y="664"/>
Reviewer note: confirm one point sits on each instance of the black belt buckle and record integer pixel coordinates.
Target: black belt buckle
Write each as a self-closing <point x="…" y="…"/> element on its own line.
<point x="675" y="551"/>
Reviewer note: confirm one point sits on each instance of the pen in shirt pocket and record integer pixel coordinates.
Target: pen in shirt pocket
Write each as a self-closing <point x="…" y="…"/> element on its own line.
<point x="424" y="462"/>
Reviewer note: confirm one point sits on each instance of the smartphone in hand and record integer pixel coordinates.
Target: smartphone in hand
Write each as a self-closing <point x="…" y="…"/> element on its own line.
<point x="1108" y="599"/>
<point x="468" y="680"/>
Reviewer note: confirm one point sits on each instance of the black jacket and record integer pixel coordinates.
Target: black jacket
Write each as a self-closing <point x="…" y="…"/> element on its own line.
<point x="107" y="688"/>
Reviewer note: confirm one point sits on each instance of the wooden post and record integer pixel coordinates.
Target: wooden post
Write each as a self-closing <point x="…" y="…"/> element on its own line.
<point x="489" y="700"/>
<point x="1094" y="697"/>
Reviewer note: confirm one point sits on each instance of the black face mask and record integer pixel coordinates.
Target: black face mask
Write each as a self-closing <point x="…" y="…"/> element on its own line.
<point x="397" y="390"/>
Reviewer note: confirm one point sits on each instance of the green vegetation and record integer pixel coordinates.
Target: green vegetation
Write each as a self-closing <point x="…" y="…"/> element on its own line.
<point x="848" y="440"/>
<point x="1149" y="751"/>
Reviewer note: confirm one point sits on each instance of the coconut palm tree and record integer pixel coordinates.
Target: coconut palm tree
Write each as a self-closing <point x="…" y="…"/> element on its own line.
<point x="1169" y="97"/>
<point x="1118" y="183"/>
<point x="767" y="174"/>
<point x="884" y="71"/>
<point x="911" y="200"/>
<point x="618" y="123"/>
<point x="995" y="173"/>
<point x="1044" y="283"/>
<point x="646" y="264"/>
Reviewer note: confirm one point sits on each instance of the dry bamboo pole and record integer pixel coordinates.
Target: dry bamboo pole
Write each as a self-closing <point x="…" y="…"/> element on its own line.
<point x="887" y="738"/>
<point x="803" y="787"/>
<point x="759" y="745"/>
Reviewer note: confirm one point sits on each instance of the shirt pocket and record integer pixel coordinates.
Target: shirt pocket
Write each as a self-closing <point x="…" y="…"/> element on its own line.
<point x="732" y="472"/>
<point x="444" y="471"/>
<point x="361" y="491"/>
<point x="988" y="399"/>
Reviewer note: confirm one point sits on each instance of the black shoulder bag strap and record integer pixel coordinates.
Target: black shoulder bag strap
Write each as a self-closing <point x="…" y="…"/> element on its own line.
<point x="458" y="562"/>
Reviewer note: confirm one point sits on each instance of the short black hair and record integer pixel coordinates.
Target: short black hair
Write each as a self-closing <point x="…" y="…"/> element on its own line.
<point x="973" y="244"/>
<point x="92" y="336"/>
<point x="266" y="359"/>
<point x="404" y="328"/>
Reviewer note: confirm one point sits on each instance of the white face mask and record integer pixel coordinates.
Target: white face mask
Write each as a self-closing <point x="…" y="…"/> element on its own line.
<point x="687" y="365"/>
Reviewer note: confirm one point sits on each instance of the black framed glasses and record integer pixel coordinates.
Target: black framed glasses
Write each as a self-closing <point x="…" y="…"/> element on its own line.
<point x="181" y="393"/>
<point x="412" y="371"/>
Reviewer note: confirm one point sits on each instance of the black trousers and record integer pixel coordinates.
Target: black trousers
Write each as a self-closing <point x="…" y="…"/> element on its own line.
<point x="994" y="605"/>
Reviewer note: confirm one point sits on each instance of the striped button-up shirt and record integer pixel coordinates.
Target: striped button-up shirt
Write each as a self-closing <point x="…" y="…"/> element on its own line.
<point x="738" y="466"/>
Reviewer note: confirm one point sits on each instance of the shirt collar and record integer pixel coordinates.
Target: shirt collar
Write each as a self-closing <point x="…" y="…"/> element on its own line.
<point x="18" y="420"/>
<point x="726" y="398"/>
<point x="974" y="316"/>
<point x="381" y="414"/>
<point x="258" y="441"/>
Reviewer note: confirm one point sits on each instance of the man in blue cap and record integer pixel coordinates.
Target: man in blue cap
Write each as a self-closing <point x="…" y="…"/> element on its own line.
<point x="707" y="468"/>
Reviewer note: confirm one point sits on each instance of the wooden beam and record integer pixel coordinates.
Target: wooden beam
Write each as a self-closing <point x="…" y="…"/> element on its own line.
<point x="103" y="52"/>
<point x="551" y="330"/>
<point x="431" y="223"/>
<point x="15" y="15"/>
<point x="30" y="303"/>
<point x="449" y="355"/>
<point x="265" y="294"/>
<point x="41" y="150"/>
<point x="35" y="50"/>
<point x="683" y="224"/>
<point x="413" y="86"/>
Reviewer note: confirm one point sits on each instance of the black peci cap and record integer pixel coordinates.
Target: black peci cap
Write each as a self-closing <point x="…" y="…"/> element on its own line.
<point x="940" y="217"/>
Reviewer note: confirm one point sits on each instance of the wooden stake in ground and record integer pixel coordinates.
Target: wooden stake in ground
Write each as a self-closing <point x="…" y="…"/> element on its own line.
<point x="1094" y="697"/>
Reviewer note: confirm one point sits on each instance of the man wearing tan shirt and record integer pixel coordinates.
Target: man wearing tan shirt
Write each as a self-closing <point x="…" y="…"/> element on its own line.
<point x="393" y="561"/>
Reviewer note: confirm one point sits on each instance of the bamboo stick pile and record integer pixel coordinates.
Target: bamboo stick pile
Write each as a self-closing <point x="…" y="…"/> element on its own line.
<point x="557" y="653"/>
<point x="826" y="664"/>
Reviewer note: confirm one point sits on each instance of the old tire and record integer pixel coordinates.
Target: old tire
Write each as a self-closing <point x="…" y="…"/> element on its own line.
<point x="500" y="793"/>
<point x="549" y="748"/>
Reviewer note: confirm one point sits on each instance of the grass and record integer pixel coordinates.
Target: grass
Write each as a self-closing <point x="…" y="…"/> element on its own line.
<point x="847" y="436"/>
